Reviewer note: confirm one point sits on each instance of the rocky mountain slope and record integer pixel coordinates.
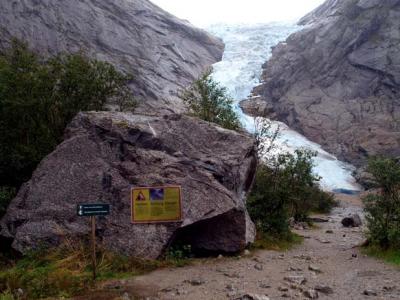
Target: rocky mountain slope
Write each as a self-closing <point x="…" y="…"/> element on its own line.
<point x="162" y="52"/>
<point x="337" y="81"/>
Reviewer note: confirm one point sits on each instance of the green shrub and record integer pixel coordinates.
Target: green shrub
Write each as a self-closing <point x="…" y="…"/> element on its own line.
<point x="38" y="98"/>
<point x="7" y="193"/>
<point x="322" y="202"/>
<point x="286" y="188"/>
<point x="383" y="208"/>
<point x="267" y="203"/>
<point x="209" y="101"/>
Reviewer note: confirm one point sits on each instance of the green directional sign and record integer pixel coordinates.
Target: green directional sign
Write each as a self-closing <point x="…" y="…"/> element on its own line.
<point x="88" y="210"/>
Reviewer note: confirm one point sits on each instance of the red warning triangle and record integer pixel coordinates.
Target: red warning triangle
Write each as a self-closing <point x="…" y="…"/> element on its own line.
<point x="140" y="197"/>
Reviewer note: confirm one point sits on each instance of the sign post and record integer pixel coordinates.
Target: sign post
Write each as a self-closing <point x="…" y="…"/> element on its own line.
<point x="156" y="204"/>
<point x="93" y="210"/>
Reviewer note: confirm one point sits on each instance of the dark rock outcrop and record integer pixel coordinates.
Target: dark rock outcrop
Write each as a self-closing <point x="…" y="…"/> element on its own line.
<point x="163" y="53"/>
<point x="352" y="221"/>
<point x="105" y="154"/>
<point x="337" y="81"/>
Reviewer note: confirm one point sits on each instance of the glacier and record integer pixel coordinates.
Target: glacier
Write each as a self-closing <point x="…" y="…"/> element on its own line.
<point x="247" y="48"/>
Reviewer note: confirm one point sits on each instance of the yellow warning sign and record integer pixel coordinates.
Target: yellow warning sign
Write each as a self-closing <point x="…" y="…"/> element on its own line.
<point x="156" y="204"/>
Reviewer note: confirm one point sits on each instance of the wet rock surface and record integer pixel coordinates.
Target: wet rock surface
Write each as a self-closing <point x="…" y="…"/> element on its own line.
<point x="337" y="81"/>
<point x="105" y="154"/>
<point x="163" y="53"/>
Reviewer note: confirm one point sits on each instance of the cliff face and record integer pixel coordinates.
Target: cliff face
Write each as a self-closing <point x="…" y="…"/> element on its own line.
<point x="337" y="81"/>
<point x="162" y="52"/>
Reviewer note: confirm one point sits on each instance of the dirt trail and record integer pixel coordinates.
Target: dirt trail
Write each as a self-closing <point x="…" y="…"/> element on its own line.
<point x="328" y="259"/>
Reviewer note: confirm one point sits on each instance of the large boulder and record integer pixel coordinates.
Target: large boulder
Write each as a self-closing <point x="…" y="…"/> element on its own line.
<point x="337" y="81"/>
<point x="162" y="52"/>
<point x="105" y="154"/>
<point x="353" y="220"/>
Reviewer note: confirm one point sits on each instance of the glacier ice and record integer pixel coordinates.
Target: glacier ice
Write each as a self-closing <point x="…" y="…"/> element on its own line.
<point x="247" y="47"/>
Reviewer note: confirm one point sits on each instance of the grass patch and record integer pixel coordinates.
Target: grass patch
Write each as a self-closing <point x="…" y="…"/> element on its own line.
<point x="6" y="295"/>
<point x="391" y="256"/>
<point x="268" y="242"/>
<point x="66" y="272"/>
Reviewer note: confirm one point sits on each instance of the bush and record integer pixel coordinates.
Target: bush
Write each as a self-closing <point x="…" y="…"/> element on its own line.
<point x="210" y="102"/>
<point x="39" y="98"/>
<point x="286" y="188"/>
<point x="383" y="208"/>
<point x="7" y="193"/>
<point x="267" y="203"/>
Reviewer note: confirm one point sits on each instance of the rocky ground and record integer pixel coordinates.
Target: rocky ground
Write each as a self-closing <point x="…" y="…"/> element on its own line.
<point x="328" y="265"/>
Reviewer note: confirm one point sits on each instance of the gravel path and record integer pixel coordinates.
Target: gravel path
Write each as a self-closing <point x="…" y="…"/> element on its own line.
<point x="328" y="265"/>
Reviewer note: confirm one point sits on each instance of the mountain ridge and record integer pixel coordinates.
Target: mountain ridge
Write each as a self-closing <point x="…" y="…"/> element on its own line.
<point x="337" y="80"/>
<point x="162" y="52"/>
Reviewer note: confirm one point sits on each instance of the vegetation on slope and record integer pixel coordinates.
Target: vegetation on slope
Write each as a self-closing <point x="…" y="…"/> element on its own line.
<point x="383" y="209"/>
<point x="207" y="100"/>
<point x="38" y="98"/>
<point x="66" y="271"/>
<point x="285" y="187"/>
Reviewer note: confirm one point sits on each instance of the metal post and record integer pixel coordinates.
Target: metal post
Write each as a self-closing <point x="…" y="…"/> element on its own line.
<point x="93" y="221"/>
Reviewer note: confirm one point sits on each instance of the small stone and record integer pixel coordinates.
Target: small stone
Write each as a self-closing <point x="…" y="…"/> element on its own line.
<point x="305" y="257"/>
<point x="125" y="296"/>
<point x="323" y="241"/>
<point x="196" y="281"/>
<point x="252" y="297"/>
<point x="318" y="220"/>
<point x="231" y="294"/>
<point x="296" y="279"/>
<point x="220" y="256"/>
<point x="329" y="231"/>
<point x="294" y="269"/>
<point x="257" y="259"/>
<point x="314" y="269"/>
<point x="264" y="286"/>
<point x="283" y="289"/>
<point x="311" y="294"/>
<point x="285" y="295"/>
<point x="354" y="255"/>
<point x="258" y="267"/>
<point x="370" y="293"/>
<point x="230" y="288"/>
<point x="246" y="252"/>
<point x="232" y="275"/>
<point x="324" y="289"/>
<point x="296" y="287"/>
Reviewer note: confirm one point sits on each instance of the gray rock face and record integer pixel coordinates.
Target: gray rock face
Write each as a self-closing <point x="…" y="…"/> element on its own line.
<point x="105" y="154"/>
<point x="163" y="53"/>
<point x="337" y="81"/>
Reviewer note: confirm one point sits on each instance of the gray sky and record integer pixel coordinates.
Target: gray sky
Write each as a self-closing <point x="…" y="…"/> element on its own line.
<point x="206" y="12"/>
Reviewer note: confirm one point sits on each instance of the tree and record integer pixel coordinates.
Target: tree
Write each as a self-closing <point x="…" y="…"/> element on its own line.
<point x="383" y="207"/>
<point x="209" y="101"/>
<point x="38" y="98"/>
